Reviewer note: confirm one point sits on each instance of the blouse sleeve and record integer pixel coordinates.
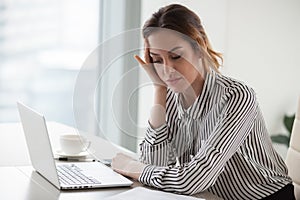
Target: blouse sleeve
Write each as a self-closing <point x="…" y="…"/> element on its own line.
<point x="234" y="125"/>
<point x="156" y="148"/>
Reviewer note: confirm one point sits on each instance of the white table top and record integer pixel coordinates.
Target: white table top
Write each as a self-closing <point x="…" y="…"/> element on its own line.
<point x="13" y="149"/>
<point x="19" y="181"/>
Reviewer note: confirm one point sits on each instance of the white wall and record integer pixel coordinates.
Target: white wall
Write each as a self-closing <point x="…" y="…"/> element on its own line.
<point x="262" y="47"/>
<point x="260" y="42"/>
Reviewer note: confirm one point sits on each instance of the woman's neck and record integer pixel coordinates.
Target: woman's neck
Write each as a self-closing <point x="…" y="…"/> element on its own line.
<point x="191" y="93"/>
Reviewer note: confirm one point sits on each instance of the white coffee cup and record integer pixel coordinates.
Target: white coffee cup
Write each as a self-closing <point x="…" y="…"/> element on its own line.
<point x="73" y="144"/>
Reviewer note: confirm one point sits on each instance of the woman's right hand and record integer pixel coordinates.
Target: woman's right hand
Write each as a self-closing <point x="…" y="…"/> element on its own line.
<point x="149" y="68"/>
<point x="158" y="110"/>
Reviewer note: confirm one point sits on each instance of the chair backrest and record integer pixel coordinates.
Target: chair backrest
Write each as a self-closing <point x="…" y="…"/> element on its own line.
<point x="293" y="154"/>
<point x="295" y="137"/>
<point x="298" y="110"/>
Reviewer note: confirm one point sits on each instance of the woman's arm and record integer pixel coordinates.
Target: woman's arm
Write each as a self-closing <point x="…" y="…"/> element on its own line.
<point x="158" y="110"/>
<point x="155" y="148"/>
<point x="234" y="126"/>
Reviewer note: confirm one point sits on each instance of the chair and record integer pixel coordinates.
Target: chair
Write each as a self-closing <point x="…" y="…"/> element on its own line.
<point x="293" y="154"/>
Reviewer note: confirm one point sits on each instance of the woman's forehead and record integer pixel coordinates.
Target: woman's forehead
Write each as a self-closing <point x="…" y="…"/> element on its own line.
<point x="166" y="40"/>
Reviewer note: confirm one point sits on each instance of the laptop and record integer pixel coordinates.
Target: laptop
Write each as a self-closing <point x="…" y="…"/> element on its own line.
<point x="75" y="175"/>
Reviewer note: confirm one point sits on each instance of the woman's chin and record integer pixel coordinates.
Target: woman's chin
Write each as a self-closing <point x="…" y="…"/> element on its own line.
<point x="177" y="89"/>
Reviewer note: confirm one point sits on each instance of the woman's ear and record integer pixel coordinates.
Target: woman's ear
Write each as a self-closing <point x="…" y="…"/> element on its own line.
<point x="199" y="52"/>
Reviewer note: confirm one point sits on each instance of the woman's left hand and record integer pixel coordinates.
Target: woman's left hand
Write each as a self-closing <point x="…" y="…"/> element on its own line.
<point x="127" y="166"/>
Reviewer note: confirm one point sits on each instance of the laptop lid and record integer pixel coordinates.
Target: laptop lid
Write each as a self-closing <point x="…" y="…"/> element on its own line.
<point x="38" y="143"/>
<point x="42" y="159"/>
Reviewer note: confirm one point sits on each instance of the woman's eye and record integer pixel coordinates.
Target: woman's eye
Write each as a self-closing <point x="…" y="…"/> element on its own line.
<point x="176" y="57"/>
<point x="157" y="61"/>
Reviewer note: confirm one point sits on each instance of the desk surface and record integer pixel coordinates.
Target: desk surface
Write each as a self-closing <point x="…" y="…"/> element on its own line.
<point x="23" y="183"/>
<point x="13" y="149"/>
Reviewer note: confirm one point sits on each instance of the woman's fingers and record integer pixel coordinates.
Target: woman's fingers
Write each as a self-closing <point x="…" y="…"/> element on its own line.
<point x="139" y="60"/>
<point x="147" y="66"/>
<point x="147" y="52"/>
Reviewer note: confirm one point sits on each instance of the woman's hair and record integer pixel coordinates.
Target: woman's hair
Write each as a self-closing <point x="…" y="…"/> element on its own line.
<point x="179" y="18"/>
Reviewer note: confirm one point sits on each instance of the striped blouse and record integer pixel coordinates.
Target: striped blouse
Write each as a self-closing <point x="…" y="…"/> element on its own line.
<point x="219" y="144"/>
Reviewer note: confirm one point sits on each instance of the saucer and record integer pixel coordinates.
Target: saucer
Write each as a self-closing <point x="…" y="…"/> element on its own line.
<point x="60" y="153"/>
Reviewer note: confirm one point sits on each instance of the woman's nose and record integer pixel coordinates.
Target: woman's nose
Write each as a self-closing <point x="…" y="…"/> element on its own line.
<point x="168" y="68"/>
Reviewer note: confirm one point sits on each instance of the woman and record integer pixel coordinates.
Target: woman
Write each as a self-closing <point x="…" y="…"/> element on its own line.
<point x="206" y="131"/>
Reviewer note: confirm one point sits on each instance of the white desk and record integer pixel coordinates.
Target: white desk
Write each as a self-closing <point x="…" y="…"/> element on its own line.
<point x="23" y="183"/>
<point x="13" y="149"/>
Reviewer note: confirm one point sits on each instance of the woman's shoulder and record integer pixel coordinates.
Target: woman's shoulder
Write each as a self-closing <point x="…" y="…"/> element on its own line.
<point x="235" y="89"/>
<point x="232" y="84"/>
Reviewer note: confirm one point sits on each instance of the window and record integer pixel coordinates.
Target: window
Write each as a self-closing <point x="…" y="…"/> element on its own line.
<point x="43" y="47"/>
<point x="116" y="73"/>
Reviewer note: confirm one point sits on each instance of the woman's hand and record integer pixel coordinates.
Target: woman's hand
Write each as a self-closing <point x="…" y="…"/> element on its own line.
<point x="158" y="110"/>
<point x="149" y="68"/>
<point x="127" y="166"/>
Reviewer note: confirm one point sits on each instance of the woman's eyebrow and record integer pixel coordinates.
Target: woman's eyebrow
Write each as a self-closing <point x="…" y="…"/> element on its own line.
<point x="171" y="51"/>
<point x="175" y="48"/>
<point x="155" y="54"/>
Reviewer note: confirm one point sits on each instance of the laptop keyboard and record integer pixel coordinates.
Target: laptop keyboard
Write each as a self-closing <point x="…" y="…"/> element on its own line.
<point x="71" y="175"/>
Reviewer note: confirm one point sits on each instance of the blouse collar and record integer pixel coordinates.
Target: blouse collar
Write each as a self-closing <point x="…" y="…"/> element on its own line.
<point x="195" y="111"/>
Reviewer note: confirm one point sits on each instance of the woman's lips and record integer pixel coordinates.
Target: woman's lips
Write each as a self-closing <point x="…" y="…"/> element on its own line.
<point x="173" y="81"/>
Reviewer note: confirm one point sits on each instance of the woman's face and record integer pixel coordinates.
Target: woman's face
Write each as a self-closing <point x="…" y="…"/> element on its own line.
<point x="175" y="61"/>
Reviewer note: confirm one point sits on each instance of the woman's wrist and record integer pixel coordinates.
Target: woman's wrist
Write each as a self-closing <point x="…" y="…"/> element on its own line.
<point x="158" y="110"/>
<point x="127" y="166"/>
<point x="157" y="116"/>
<point x="160" y="95"/>
<point x="160" y="88"/>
